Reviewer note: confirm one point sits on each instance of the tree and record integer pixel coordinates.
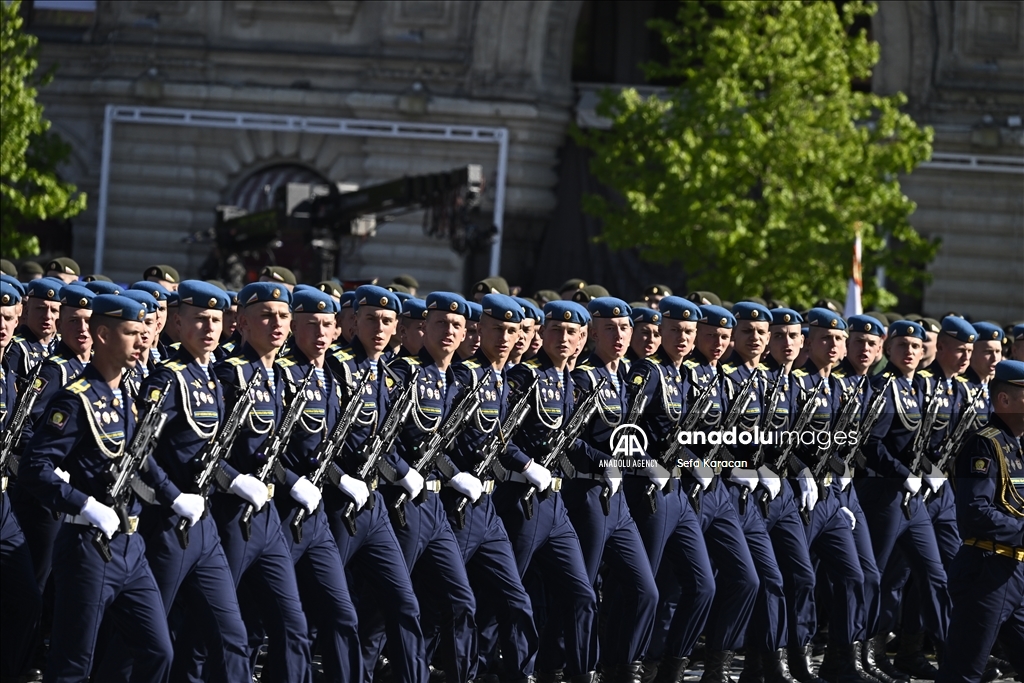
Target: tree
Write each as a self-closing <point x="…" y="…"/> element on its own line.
<point x="30" y="189"/>
<point x="754" y="171"/>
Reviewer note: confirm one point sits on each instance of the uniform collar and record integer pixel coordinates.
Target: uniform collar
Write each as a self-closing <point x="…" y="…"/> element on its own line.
<point x="697" y="357"/>
<point x="997" y="422"/>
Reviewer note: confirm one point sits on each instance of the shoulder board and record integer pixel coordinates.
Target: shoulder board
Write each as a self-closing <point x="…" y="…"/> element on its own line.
<point x="989" y="432"/>
<point x="237" y="361"/>
<point x="175" y="345"/>
<point x="285" y="362"/>
<point x="961" y="379"/>
<point x="344" y="354"/>
<point x="471" y="364"/>
<point x="839" y="374"/>
<point x="586" y="367"/>
<point x="799" y="372"/>
<point x="532" y="363"/>
<point x="175" y="365"/>
<point x="728" y="368"/>
<point x="411" y="360"/>
<point x="78" y="386"/>
<point x="17" y="339"/>
<point x="58" y="360"/>
<point x="691" y="364"/>
<point x="762" y="366"/>
<point x="925" y="373"/>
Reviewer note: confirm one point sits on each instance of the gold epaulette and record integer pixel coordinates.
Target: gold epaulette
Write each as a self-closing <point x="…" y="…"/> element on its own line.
<point x="285" y="362"/>
<point x="691" y="364"/>
<point x="237" y="361"/>
<point x="174" y="365"/>
<point x="344" y="355"/>
<point x="79" y="386"/>
<point x="988" y="433"/>
<point x="471" y="364"/>
<point x="728" y="368"/>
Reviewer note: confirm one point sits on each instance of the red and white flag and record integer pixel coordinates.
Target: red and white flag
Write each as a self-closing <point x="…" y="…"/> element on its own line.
<point x="855" y="285"/>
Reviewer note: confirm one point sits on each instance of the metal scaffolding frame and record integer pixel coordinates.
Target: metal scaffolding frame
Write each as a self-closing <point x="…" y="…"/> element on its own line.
<point x="197" y="118"/>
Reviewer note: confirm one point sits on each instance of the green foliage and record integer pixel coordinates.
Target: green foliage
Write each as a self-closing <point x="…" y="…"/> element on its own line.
<point x="754" y="171"/>
<point x="30" y="189"/>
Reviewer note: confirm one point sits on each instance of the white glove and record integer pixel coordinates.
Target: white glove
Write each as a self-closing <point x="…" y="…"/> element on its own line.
<point x="808" y="489"/>
<point x="743" y="477"/>
<point x="846" y="478"/>
<point x="613" y="477"/>
<point x="306" y="495"/>
<point x="250" y="488"/>
<point x="912" y="484"/>
<point x="354" y="489"/>
<point x="190" y="506"/>
<point x="412" y="483"/>
<point x="101" y="516"/>
<point x="704" y="475"/>
<point x="935" y="480"/>
<point x="62" y="474"/>
<point x="538" y="475"/>
<point x="468" y="485"/>
<point x="771" y="482"/>
<point x="658" y="475"/>
<point x="850" y="516"/>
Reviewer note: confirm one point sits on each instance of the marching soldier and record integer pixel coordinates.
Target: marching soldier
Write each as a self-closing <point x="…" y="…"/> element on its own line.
<point x="1018" y="342"/>
<point x="160" y="295"/>
<point x="467" y="349"/>
<point x="530" y="340"/>
<point x="987" y="574"/>
<point x="987" y="352"/>
<point x="64" y="269"/>
<point x="411" y="327"/>
<point x="163" y="275"/>
<point x="35" y="339"/>
<point x="646" y="334"/>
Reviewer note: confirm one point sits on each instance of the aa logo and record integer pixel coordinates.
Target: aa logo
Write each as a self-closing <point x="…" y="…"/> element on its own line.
<point x="628" y="441"/>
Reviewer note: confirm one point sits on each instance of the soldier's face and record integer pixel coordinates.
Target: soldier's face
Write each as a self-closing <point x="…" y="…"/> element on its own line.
<point x="74" y="329"/>
<point x="314" y="333"/>
<point x="1018" y="350"/>
<point x="471" y="343"/>
<point x="751" y="339"/>
<point x="265" y="325"/>
<point x="826" y="346"/>
<point x="8" y="321"/>
<point x="347" y="321"/>
<point x="713" y="341"/>
<point x="161" y="317"/>
<point x="612" y="336"/>
<point x="646" y="339"/>
<point x="931" y="339"/>
<point x="498" y="338"/>
<point x="119" y="342"/>
<point x="527" y="332"/>
<point x="149" y="336"/>
<point x="230" y="321"/>
<point x="862" y="350"/>
<point x="677" y="338"/>
<point x="785" y="343"/>
<point x="906" y="353"/>
<point x="985" y="357"/>
<point x="444" y="332"/>
<point x="953" y="356"/>
<point x="411" y="334"/>
<point x="561" y="340"/>
<point x="199" y="329"/>
<point x="1009" y="405"/>
<point x="375" y="327"/>
<point x="41" y="317"/>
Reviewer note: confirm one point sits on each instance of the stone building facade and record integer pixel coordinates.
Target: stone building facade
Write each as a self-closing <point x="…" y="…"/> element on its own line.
<point x="498" y="64"/>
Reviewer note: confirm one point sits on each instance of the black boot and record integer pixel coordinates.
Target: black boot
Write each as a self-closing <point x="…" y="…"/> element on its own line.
<point x="550" y="676"/>
<point x="589" y="677"/>
<point x="752" y="667"/>
<point x="875" y="649"/>
<point x="800" y="664"/>
<point x="776" y="668"/>
<point x="623" y="673"/>
<point x="650" y="670"/>
<point x="829" y="669"/>
<point x="671" y="670"/>
<point x="910" y="658"/>
<point x="716" y="666"/>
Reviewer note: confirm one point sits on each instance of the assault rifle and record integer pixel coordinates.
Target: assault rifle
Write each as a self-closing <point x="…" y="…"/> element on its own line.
<point x="700" y="408"/>
<point x="919" y="447"/>
<point x="12" y="435"/>
<point x="803" y="419"/>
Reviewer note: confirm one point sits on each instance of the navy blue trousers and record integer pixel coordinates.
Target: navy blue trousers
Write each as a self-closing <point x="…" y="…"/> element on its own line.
<point x="494" y="577"/>
<point x="789" y="538"/>
<point x="384" y="594"/>
<point x="548" y="544"/>
<point x="40" y="529"/>
<point x="630" y="595"/>
<point x="323" y="588"/>
<point x="20" y="599"/>
<point x="122" y="592"/>
<point x="679" y="559"/>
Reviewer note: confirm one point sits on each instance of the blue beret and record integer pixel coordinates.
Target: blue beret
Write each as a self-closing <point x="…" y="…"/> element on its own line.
<point x="989" y="332"/>
<point x="202" y="295"/>
<point x="312" y="300"/>
<point x="753" y="311"/>
<point x="9" y="296"/>
<point x="232" y="297"/>
<point x="610" y="307"/>
<point x="1011" y="371"/>
<point x="76" y="296"/>
<point x="157" y="290"/>
<point x="646" y="316"/>
<point x="786" y="316"/>
<point x="475" y="311"/>
<point x="348" y="299"/>
<point x="566" y="312"/>
<point x="823" y="317"/>
<point x="144" y="298"/>
<point x="716" y="316"/>
<point x="120" y="307"/>
<point x="415" y="309"/>
<point x="372" y="295"/>
<point x="447" y="302"/>
<point x="1018" y="332"/>
<point x="403" y="296"/>
<point x="503" y="308"/>
<point x="46" y="288"/>
<point x="959" y="329"/>
<point x="805" y="331"/>
<point x="262" y="292"/>
<point x="13" y="282"/>
<point x="907" y="328"/>
<point x="530" y="309"/>
<point x="866" y="324"/>
<point x="102" y="287"/>
<point x="678" y="308"/>
<point x="174" y="299"/>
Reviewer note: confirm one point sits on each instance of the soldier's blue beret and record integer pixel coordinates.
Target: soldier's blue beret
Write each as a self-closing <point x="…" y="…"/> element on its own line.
<point x="503" y="308"/>
<point x="173" y="299"/>
<point x="786" y="316"/>
<point x="76" y="296"/>
<point x="1011" y="371"/>
<point x="1018" y="332"/>
<point x="348" y="300"/>
<point x="144" y="298"/>
<point x="372" y="295"/>
<point x="988" y="332"/>
<point x="46" y="288"/>
<point x="753" y="311"/>
<point x="264" y="292"/>
<point x="475" y="311"/>
<point x="232" y="298"/>
<point x="312" y="300"/>
<point x="566" y="312"/>
<point x="530" y="309"/>
<point x="13" y="282"/>
<point x="447" y="302"/>
<point x="678" y="308"/>
<point x="610" y="307"/>
<point x="907" y="328"/>
<point x="959" y="329"/>
<point x="414" y="308"/>
<point x="716" y="316"/>
<point x="9" y="296"/>
<point x="403" y="296"/>
<point x="645" y="316"/>
<point x="805" y="330"/>
<point x="157" y="290"/>
<point x="299" y="287"/>
<point x="823" y="317"/>
<point x="202" y="295"/>
<point x="866" y="324"/>
<point x="101" y="287"/>
<point x="120" y="307"/>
